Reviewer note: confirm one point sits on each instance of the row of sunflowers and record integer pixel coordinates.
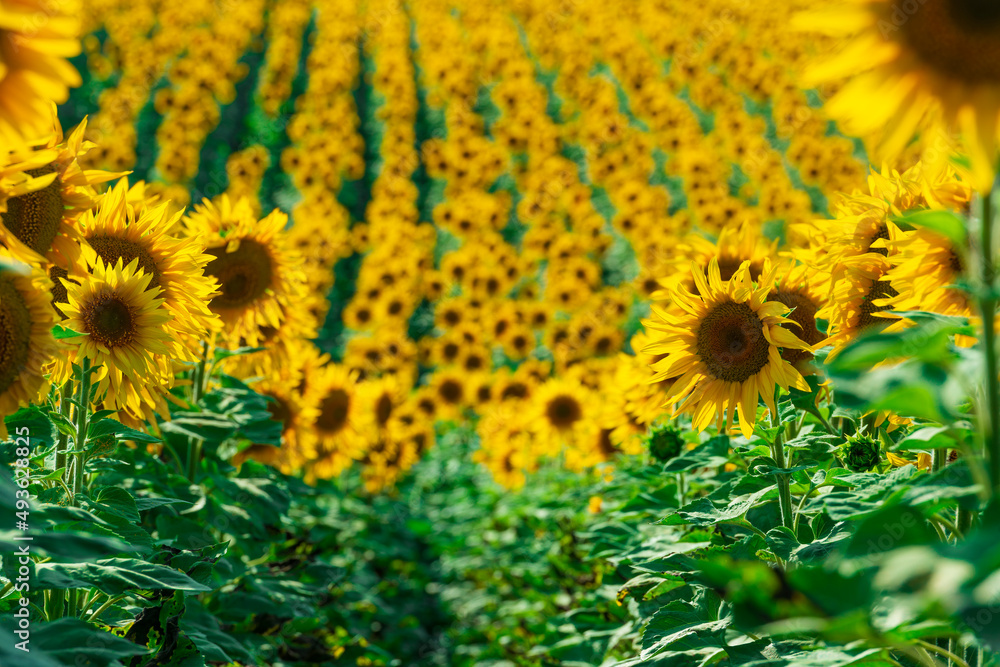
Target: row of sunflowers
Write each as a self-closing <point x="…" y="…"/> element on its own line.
<point x="298" y="247"/>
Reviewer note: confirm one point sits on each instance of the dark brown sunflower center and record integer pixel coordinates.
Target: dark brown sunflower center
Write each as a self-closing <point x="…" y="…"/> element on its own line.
<point x="955" y="262"/>
<point x="109" y="320"/>
<point x="280" y="412"/>
<point x="958" y="38"/>
<point x="34" y="218"/>
<point x="333" y="411"/>
<point x="420" y="442"/>
<point x="880" y="289"/>
<point x="514" y="390"/>
<point x="450" y="391"/>
<point x="975" y="13"/>
<point x="804" y="314"/>
<point x="604" y="444"/>
<point x="881" y="232"/>
<point x="15" y="333"/>
<point x="564" y="411"/>
<point x="731" y="342"/>
<point x="244" y="275"/>
<point x="111" y="249"/>
<point x="383" y="410"/>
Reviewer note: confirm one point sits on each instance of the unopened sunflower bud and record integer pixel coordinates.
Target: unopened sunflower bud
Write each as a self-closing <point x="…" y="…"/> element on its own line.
<point x="665" y="444"/>
<point x="860" y="453"/>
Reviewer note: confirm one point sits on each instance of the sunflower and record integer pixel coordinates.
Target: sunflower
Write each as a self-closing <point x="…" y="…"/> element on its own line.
<point x="297" y="413"/>
<point x="481" y="391"/>
<point x="36" y="38"/>
<point x="450" y="388"/>
<point x="380" y="399"/>
<point x="926" y="275"/>
<point x="861" y="302"/>
<point x="402" y="441"/>
<point x="338" y="424"/>
<point x="863" y="224"/>
<point x="725" y="346"/>
<point x="26" y="343"/>
<point x="737" y="243"/>
<point x="125" y="332"/>
<point x="560" y="413"/>
<point x="123" y="228"/>
<point x="426" y="403"/>
<point x="381" y="471"/>
<point x="590" y="446"/>
<point x="506" y="447"/>
<point x="281" y="343"/>
<point x="931" y="68"/>
<point x="926" y="272"/>
<point x="42" y="219"/>
<point x="803" y="289"/>
<point x="258" y="273"/>
<point x="635" y="404"/>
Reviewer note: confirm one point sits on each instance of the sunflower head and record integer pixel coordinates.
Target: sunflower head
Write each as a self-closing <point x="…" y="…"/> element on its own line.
<point x="724" y="347"/>
<point x="46" y="191"/>
<point x="861" y="452"/>
<point x="126" y="227"/>
<point x="339" y="421"/>
<point x="927" y="69"/>
<point x="258" y="274"/>
<point x="124" y="331"/>
<point x="34" y="218"/>
<point x="801" y="288"/>
<point x="26" y="343"/>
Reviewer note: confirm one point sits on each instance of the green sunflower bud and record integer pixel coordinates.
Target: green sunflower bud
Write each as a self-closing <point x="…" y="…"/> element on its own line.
<point x="665" y="444"/>
<point x="861" y="452"/>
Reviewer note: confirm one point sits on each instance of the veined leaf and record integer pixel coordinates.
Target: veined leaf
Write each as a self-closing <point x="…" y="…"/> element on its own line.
<point x="114" y="576"/>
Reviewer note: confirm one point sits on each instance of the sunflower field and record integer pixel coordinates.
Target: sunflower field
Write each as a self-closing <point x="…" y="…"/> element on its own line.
<point x="499" y="333"/>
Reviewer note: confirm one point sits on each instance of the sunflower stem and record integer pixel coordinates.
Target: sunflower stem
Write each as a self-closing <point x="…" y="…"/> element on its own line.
<point x="71" y="603"/>
<point x="824" y="422"/>
<point x="963" y="520"/>
<point x="82" y="418"/>
<point x="107" y="603"/>
<point x="198" y="388"/>
<point x="52" y="604"/>
<point x="942" y="652"/>
<point x="784" y="489"/>
<point x="194" y="457"/>
<point x="55" y="604"/>
<point x="987" y="309"/>
<point x="197" y="391"/>
<point x="955" y="647"/>
<point x="64" y="405"/>
<point x="938" y="457"/>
